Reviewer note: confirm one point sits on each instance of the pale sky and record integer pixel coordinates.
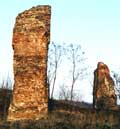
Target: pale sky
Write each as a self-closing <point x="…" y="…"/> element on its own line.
<point x="95" y="24"/>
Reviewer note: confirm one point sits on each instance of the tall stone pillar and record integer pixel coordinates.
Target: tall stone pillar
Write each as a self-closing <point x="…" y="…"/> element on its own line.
<point x="31" y="37"/>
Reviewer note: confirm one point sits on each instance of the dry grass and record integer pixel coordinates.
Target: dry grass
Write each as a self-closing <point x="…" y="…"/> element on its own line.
<point x="5" y="97"/>
<point x="56" y="120"/>
<point x="60" y="118"/>
<point x="62" y="115"/>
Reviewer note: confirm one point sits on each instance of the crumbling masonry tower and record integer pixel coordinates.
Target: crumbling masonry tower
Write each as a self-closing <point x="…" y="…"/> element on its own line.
<point x="31" y="37"/>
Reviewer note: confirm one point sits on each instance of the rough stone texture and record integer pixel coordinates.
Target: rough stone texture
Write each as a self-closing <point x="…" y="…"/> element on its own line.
<point x="103" y="91"/>
<point x="31" y="37"/>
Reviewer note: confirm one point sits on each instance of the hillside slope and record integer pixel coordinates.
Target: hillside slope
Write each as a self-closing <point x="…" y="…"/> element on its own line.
<point x="67" y="115"/>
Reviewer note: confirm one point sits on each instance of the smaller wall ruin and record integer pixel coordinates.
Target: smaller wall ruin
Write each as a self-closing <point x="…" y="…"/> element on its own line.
<point x="103" y="91"/>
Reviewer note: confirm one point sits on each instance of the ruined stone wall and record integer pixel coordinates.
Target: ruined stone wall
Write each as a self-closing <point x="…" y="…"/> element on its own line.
<point x="103" y="91"/>
<point x="31" y="37"/>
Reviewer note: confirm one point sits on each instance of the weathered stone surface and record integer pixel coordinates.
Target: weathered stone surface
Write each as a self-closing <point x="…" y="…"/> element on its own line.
<point x="103" y="91"/>
<point x="31" y="37"/>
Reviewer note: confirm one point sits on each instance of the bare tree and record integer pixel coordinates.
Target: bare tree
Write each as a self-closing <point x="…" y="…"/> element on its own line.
<point x="117" y="83"/>
<point x="54" y="60"/>
<point x="64" y="93"/>
<point x="76" y="58"/>
<point x="6" y="93"/>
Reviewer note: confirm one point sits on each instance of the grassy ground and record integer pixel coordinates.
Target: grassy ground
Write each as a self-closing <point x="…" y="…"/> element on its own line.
<point x="56" y="120"/>
<point x="63" y="115"/>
